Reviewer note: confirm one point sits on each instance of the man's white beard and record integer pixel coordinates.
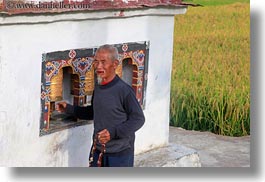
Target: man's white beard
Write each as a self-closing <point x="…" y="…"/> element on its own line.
<point x="99" y="79"/>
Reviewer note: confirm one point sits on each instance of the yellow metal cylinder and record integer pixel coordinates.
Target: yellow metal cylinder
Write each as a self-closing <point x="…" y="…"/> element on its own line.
<point x="89" y="82"/>
<point x="56" y="93"/>
<point x="119" y="70"/>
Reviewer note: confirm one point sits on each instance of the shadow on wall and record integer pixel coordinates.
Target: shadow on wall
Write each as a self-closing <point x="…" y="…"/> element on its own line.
<point x="78" y="145"/>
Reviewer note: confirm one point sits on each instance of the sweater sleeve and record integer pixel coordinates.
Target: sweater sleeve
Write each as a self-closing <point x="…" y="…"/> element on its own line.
<point x="86" y="113"/>
<point x="80" y="112"/>
<point x="135" y="118"/>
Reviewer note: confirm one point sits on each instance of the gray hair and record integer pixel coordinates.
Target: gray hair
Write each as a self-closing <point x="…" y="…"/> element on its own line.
<point x="113" y="51"/>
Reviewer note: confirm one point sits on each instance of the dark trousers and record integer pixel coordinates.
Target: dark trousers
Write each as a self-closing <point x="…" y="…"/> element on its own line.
<point x="113" y="161"/>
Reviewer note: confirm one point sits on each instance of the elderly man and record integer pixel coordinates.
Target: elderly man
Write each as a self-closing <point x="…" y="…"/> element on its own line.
<point x="116" y="112"/>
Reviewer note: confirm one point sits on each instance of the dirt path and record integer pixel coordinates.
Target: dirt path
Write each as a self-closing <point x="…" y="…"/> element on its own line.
<point x="214" y="150"/>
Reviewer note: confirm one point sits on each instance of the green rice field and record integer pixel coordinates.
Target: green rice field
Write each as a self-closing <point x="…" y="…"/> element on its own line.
<point x="210" y="86"/>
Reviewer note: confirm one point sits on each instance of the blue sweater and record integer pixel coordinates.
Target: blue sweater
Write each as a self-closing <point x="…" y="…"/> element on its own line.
<point x="115" y="108"/>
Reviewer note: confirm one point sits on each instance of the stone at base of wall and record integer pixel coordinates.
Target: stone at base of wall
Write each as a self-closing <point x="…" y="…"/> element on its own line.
<point x="170" y="156"/>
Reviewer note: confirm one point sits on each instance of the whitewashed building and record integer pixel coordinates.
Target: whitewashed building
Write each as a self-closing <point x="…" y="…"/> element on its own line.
<point x="45" y="56"/>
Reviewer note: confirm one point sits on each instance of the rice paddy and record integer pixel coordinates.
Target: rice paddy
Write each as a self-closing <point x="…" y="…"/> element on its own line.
<point x="210" y="86"/>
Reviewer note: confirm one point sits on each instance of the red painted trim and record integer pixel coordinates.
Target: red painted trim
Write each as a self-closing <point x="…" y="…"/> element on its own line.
<point x="21" y="6"/>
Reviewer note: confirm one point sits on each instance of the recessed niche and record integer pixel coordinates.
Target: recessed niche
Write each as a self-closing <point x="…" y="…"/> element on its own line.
<point x="69" y="76"/>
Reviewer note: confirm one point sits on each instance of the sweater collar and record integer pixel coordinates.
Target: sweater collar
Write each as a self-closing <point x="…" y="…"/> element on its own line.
<point x="111" y="83"/>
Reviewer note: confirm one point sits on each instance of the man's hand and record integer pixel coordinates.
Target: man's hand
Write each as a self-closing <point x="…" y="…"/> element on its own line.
<point x="60" y="107"/>
<point x="103" y="136"/>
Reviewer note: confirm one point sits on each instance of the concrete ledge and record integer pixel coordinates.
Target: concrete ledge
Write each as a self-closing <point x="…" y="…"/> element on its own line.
<point x="170" y="156"/>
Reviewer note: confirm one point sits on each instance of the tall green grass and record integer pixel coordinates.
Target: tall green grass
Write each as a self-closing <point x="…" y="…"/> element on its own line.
<point x="215" y="2"/>
<point x="210" y="89"/>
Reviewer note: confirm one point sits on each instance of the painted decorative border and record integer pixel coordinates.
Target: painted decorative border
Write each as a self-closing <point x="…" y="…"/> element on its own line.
<point x="81" y="63"/>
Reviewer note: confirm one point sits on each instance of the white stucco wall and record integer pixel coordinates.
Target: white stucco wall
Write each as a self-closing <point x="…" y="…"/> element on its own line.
<point x="21" y="48"/>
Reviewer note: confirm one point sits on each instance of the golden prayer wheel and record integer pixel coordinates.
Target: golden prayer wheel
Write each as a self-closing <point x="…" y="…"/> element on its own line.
<point x="75" y="85"/>
<point x="56" y="87"/>
<point x="89" y="82"/>
<point x="119" y="70"/>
